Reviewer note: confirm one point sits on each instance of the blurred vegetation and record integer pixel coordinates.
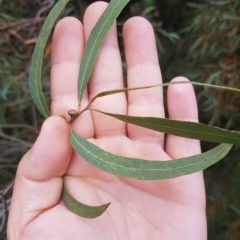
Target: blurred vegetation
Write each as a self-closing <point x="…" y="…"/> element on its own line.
<point x="196" y="39"/>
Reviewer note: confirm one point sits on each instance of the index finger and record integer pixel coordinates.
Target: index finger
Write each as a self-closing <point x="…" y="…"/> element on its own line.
<point x="67" y="50"/>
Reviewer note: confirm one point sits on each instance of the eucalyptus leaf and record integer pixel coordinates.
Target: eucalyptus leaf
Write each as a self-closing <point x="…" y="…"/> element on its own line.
<point x="114" y="91"/>
<point x="95" y="41"/>
<point x="37" y="58"/>
<point x="81" y="209"/>
<point x="144" y="169"/>
<point x="181" y="128"/>
<point x="120" y="90"/>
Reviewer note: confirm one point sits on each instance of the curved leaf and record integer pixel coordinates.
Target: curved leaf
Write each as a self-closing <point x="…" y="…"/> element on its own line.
<point x="36" y="63"/>
<point x="95" y="41"/>
<point x="81" y="209"/>
<point x="145" y="169"/>
<point x="114" y="91"/>
<point x="181" y="128"/>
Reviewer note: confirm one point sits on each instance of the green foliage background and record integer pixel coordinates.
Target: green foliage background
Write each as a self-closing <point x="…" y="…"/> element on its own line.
<point x="197" y="39"/>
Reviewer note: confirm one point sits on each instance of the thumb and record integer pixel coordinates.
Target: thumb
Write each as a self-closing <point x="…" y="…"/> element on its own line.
<point x="38" y="183"/>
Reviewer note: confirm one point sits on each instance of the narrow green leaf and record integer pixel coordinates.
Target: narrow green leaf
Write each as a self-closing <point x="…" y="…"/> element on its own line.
<point x="95" y="41"/>
<point x="145" y="169"/>
<point x="81" y="209"/>
<point x="114" y="91"/>
<point x="36" y="63"/>
<point x="181" y="128"/>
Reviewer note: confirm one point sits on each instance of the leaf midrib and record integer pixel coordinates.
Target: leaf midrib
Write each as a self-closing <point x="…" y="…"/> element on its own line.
<point x="150" y="169"/>
<point x="121" y="117"/>
<point x="96" y="39"/>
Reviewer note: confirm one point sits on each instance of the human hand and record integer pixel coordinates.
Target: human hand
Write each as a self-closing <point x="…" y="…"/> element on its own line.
<point x="164" y="209"/>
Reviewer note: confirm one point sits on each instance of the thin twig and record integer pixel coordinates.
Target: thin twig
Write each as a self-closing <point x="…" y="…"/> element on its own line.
<point x="22" y="22"/>
<point x="20" y="126"/>
<point x="48" y="4"/>
<point x="8" y="166"/>
<point x="4" y="218"/>
<point x="5" y="204"/>
<point x="12" y="151"/>
<point x="15" y="139"/>
<point x="8" y="187"/>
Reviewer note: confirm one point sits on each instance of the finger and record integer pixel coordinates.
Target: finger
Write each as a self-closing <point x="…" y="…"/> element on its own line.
<point x="107" y="75"/>
<point x="182" y="106"/>
<point x="67" y="50"/>
<point x="143" y="69"/>
<point x="38" y="183"/>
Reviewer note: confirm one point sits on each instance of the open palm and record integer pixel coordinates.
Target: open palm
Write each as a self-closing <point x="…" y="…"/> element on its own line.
<point x="165" y="209"/>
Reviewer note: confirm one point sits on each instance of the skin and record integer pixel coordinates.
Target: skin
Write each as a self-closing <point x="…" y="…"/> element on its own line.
<point x="166" y="209"/>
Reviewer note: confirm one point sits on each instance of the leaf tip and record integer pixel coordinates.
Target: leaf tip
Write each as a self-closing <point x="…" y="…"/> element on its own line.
<point x="107" y="205"/>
